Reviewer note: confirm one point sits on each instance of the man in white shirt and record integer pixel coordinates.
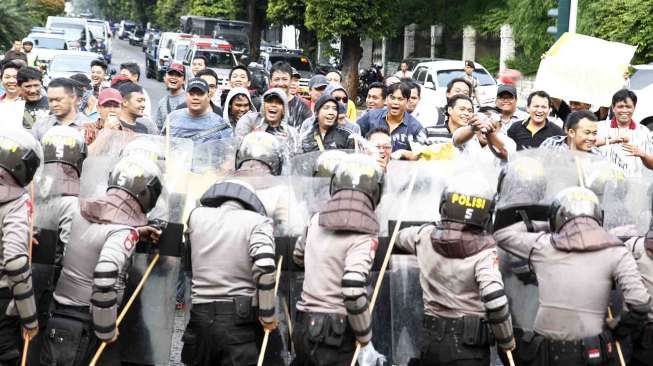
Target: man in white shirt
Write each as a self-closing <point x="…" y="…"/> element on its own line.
<point x="483" y="141"/>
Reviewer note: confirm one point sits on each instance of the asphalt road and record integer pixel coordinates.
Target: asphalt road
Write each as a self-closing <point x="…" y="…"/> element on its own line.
<point x="123" y="52"/>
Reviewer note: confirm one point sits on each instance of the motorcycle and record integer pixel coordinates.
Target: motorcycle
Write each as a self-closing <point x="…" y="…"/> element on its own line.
<point x="366" y="77"/>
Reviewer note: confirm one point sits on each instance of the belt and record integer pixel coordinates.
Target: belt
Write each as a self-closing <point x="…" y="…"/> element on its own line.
<point x="449" y="325"/>
<point x="217" y="307"/>
<point x="5" y="293"/>
<point x="79" y="308"/>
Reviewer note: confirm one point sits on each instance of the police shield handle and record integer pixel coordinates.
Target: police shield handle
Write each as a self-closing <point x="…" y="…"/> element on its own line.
<point x="29" y="334"/>
<point x="266" y="336"/>
<point x="386" y="259"/>
<point x="131" y="300"/>
<point x="622" y="361"/>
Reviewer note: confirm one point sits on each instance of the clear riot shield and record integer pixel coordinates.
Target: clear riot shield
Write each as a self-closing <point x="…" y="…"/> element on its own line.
<point x="146" y="331"/>
<point x="416" y="207"/>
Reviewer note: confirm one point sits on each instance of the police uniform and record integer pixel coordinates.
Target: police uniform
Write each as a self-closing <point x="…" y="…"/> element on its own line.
<point x="642" y="249"/>
<point x="337" y="255"/>
<point x="20" y="156"/>
<point x="465" y="306"/>
<point x="103" y="238"/>
<point x="576" y="265"/>
<point x="233" y="277"/>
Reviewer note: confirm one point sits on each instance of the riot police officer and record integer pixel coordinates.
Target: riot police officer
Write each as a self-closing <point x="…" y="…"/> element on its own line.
<point x="576" y="265"/>
<point x="465" y="305"/>
<point x="337" y="255"/>
<point x="103" y="238"/>
<point x="64" y="151"/>
<point x="233" y="277"/>
<point x="20" y="156"/>
<point x="259" y="153"/>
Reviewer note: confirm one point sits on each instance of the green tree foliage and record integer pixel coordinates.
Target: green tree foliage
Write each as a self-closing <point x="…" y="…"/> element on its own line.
<point x="13" y="25"/>
<point x="627" y="21"/>
<point x="292" y="12"/>
<point x="227" y="9"/>
<point x="167" y="12"/>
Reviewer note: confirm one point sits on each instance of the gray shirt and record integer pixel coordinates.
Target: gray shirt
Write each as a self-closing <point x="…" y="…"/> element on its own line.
<point x="43" y="125"/>
<point x="166" y="105"/>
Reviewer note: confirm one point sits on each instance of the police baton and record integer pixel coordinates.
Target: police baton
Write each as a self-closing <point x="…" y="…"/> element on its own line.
<point x="266" y="336"/>
<point x="123" y="313"/>
<point x="23" y="359"/>
<point x="511" y="361"/>
<point x="388" y="253"/>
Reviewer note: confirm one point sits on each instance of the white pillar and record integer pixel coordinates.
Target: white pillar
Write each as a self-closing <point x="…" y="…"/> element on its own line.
<point x="384" y="43"/>
<point x="573" y="14"/>
<point x="409" y="40"/>
<point x="469" y="43"/>
<point x="507" y="49"/>
<point x="436" y="37"/>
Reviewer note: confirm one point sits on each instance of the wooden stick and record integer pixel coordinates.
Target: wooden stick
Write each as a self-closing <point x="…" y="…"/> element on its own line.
<point x="622" y="360"/>
<point x="123" y="313"/>
<point x="266" y="336"/>
<point x="511" y="361"/>
<point x="23" y="359"/>
<point x="386" y="260"/>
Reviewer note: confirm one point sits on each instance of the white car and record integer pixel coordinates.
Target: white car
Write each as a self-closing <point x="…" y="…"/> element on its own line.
<point x="76" y="31"/>
<point x="164" y="52"/>
<point x="218" y="54"/>
<point x="641" y="82"/>
<point x="47" y="43"/>
<point x="69" y="63"/>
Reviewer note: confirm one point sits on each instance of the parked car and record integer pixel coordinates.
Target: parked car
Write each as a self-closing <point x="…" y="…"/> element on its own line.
<point x="217" y="52"/>
<point x="68" y="63"/>
<point x="136" y="37"/>
<point x="125" y="29"/>
<point x="163" y="52"/>
<point x="47" y="43"/>
<point x="641" y="82"/>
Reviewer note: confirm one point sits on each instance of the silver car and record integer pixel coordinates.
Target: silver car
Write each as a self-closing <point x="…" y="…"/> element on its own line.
<point x="69" y="63"/>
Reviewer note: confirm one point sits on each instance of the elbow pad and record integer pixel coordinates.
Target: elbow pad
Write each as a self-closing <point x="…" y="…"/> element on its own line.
<point x="496" y="305"/>
<point x="20" y="277"/>
<point x="354" y="289"/>
<point x="266" y="297"/>
<point x="104" y="300"/>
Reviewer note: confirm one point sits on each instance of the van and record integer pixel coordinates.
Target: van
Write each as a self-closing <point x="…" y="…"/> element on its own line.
<point x="76" y="31"/>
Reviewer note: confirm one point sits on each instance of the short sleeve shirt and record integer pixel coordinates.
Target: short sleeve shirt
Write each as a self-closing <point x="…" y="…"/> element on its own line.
<point x="637" y="134"/>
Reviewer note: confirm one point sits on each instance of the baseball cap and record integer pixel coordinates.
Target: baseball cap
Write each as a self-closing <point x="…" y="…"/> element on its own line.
<point x="296" y="74"/>
<point x="117" y="79"/>
<point x="198" y="83"/>
<point x="178" y="68"/>
<point x="507" y="89"/>
<point x="109" y="95"/>
<point x="318" y="81"/>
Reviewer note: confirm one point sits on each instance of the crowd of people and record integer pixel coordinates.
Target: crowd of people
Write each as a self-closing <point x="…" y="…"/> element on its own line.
<point x="466" y="307"/>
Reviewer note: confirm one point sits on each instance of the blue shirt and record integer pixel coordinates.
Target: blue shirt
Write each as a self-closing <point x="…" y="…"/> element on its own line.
<point x="408" y="130"/>
<point x="201" y="129"/>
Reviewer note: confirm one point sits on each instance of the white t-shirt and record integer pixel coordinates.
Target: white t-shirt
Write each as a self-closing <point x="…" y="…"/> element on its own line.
<point x="482" y="155"/>
<point x="640" y="136"/>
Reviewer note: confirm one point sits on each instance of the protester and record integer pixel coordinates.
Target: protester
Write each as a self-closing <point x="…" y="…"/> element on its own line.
<point x="28" y="50"/>
<point x="626" y="143"/>
<point x="30" y="83"/>
<point x="273" y="119"/>
<point x="391" y="80"/>
<point x="471" y="79"/>
<point x="582" y="129"/>
<point x="335" y="78"/>
<point x="174" y="81"/>
<point x="376" y="95"/>
<point x="507" y="102"/>
<point x="87" y="101"/>
<point x="10" y="82"/>
<point x="316" y="87"/>
<point x="241" y="77"/>
<point x="480" y="139"/>
<point x="293" y="87"/>
<point x="403" y="127"/>
<point x="280" y="77"/>
<point x="380" y="139"/>
<point x="536" y="128"/>
<point x="211" y="79"/>
<point x="198" y="64"/>
<point x="109" y="105"/>
<point x="403" y="72"/>
<point x="62" y="100"/>
<point x="16" y="52"/>
<point x="99" y="76"/>
<point x="454" y="87"/>
<point x="133" y="72"/>
<point x="237" y="104"/>
<point x="132" y="110"/>
<point x="326" y="133"/>
<point x="198" y="122"/>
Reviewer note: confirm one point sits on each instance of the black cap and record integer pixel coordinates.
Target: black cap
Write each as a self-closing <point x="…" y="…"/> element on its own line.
<point x="198" y="83"/>
<point x="507" y="89"/>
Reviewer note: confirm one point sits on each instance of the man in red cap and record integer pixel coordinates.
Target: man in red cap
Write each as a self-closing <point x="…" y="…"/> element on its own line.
<point x="109" y="102"/>
<point x="174" y="81"/>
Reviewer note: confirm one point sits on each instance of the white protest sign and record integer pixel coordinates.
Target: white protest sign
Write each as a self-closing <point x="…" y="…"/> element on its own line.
<point x="584" y="69"/>
<point x="11" y="113"/>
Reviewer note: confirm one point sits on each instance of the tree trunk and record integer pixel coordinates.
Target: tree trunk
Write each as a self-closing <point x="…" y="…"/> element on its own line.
<point x="308" y="42"/>
<point x="256" y="16"/>
<point x="352" y="52"/>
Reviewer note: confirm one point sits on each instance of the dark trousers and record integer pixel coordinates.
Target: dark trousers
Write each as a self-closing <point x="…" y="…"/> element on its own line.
<point x="643" y="347"/>
<point x="535" y="350"/>
<point x="317" y="343"/>
<point x="69" y="339"/>
<point x="444" y="344"/>
<point x="10" y="333"/>
<point x="217" y="336"/>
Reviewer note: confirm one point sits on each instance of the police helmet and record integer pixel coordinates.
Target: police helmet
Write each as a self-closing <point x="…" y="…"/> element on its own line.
<point x="62" y="144"/>
<point x="139" y="177"/>
<point x="236" y="190"/>
<point x="326" y="164"/>
<point x="20" y="154"/>
<point x="468" y="199"/>
<point x="603" y="178"/>
<point x="571" y="203"/>
<point x="263" y="147"/>
<point x="522" y="181"/>
<point x="144" y="147"/>
<point x="361" y="173"/>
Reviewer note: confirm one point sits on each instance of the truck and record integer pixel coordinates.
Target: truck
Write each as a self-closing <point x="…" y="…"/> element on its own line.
<point x="235" y="32"/>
